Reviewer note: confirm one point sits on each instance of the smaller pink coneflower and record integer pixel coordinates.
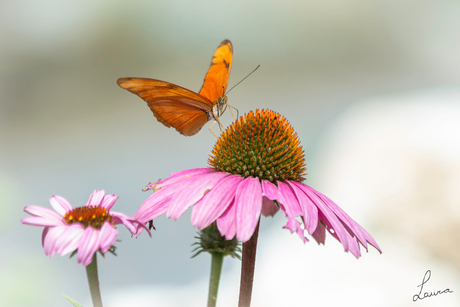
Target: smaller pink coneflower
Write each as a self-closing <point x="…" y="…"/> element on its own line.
<point x="86" y="229"/>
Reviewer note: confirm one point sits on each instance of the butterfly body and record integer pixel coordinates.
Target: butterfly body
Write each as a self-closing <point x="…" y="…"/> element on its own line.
<point x="183" y="109"/>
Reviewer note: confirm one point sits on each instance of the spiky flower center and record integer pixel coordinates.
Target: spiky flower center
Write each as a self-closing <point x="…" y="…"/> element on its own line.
<point x="261" y="144"/>
<point x="88" y="216"/>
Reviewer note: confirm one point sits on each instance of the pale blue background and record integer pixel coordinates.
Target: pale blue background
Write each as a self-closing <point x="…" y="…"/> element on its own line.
<point x="66" y="128"/>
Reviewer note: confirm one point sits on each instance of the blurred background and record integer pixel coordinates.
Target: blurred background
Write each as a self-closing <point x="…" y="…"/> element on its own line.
<point x="371" y="87"/>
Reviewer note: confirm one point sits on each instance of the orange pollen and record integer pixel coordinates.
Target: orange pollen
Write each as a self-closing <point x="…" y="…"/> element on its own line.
<point x="88" y="216"/>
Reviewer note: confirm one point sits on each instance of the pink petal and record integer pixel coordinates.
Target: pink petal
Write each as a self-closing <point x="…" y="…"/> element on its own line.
<point x="49" y="244"/>
<point x="330" y="217"/>
<point x="354" y="246"/>
<point x="310" y="212"/>
<point x="269" y="190"/>
<point x="121" y="218"/>
<point x="108" y="236"/>
<point x="319" y="234"/>
<point x="42" y="212"/>
<point x="141" y="227"/>
<point x="60" y="204"/>
<point x="181" y="175"/>
<point x="370" y="240"/>
<point x="96" y="198"/>
<point x="268" y="207"/>
<point x="362" y="235"/>
<point x="226" y="222"/>
<point x="288" y="200"/>
<point x="70" y="239"/>
<point x="108" y="201"/>
<point x="215" y="202"/>
<point x="248" y="202"/>
<point x="155" y="205"/>
<point x="40" y="221"/>
<point x="192" y="192"/>
<point x="44" y="233"/>
<point x="294" y="226"/>
<point x="89" y="244"/>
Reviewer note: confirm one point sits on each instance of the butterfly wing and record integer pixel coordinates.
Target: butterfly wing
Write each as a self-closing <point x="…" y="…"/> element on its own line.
<point x="216" y="80"/>
<point x="172" y="105"/>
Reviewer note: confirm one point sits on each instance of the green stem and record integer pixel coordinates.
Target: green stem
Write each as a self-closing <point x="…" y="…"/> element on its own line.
<point x="248" y="264"/>
<point x="216" y="269"/>
<point x="93" y="281"/>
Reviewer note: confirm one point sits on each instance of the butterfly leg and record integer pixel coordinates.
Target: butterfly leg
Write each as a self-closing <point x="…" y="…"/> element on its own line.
<point x="211" y="130"/>
<point x="237" y="112"/>
<point x="220" y="125"/>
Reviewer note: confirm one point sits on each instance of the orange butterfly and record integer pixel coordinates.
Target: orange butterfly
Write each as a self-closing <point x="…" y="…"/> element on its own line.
<point x="178" y="107"/>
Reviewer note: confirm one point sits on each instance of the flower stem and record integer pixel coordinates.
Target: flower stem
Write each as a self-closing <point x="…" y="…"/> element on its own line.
<point x="247" y="269"/>
<point x="93" y="281"/>
<point x="216" y="269"/>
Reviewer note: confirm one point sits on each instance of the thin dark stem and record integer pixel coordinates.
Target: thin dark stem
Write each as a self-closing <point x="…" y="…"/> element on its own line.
<point x="93" y="281"/>
<point x="216" y="269"/>
<point x="247" y="269"/>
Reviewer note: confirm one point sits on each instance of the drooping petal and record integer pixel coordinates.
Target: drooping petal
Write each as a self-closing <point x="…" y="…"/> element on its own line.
<point x="294" y="226"/>
<point x="89" y="244"/>
<point x="370" y="239"/>
<point x="44" y="233"/>
<point x="108" y="235"/>
<point x="60" y="204"/>
<point x="330" y="217"/>
<point x="226" y="223"/>
<point x="121" y="218"/>
<point x="268" y="207"/>
<point x="108" y="201"/>
<point x="215" y="202"/>
<point x="192" y="192"/>
<point x="310" y="212"/>
<point x="248" y="202"/>
<point x="96" y="198"/>
<point x="49" y="244"/>
<point x="354" y="246"/>
<point x="70" y="239"/>
<point x="362" y="235"/>
<point x="269" y="190"/>
<point x="287" y="199"/>
<point x="156" y="204"/>
<point x="319" y="234"/>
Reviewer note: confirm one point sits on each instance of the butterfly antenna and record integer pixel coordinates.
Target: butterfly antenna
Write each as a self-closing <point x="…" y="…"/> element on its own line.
<point x="242" y="80"/>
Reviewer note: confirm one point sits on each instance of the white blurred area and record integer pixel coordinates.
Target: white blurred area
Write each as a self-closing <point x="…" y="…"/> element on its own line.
<point x="371" y="87"/>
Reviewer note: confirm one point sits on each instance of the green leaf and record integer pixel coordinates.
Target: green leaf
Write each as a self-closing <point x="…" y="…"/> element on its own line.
<point x="72" y="301"/>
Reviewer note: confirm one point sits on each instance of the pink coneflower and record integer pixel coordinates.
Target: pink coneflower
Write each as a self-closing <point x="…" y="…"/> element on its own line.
<point x="86" y="229"/>
<point x="256" y="167"/>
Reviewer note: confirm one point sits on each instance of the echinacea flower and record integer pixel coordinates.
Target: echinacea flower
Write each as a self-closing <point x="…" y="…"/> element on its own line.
<point x="256" y="167"/>
<point x="86" y="229"/>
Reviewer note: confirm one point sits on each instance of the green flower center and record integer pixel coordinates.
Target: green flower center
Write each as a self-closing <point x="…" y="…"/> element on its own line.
<point x="261" y="144"/>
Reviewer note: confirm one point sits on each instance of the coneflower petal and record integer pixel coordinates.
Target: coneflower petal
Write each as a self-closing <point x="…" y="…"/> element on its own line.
<point x="191" y="193"/>
<point x="89" y="244"/>
<point x="215" y="202"/>
<point x="226" y="222"/>
<point x="310" y="212"/>
<point x="248" y="203"/>
<point x="60" y="204"/>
